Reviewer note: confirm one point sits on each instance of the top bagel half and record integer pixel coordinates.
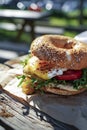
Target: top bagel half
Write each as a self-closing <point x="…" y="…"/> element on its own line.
<point x="63" y="51"/>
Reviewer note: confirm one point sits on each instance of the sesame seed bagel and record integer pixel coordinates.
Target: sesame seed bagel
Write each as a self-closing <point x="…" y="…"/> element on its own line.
<point x="63" y="51"/>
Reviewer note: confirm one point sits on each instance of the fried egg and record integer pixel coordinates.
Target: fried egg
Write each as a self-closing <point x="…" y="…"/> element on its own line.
<point x="33" y="68"/>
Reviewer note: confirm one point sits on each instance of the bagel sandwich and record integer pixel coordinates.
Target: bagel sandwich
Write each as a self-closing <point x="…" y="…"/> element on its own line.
<point x="56" y="64"/>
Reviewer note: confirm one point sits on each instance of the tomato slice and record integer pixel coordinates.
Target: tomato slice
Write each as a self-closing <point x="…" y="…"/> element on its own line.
<point x="70" y="75"/>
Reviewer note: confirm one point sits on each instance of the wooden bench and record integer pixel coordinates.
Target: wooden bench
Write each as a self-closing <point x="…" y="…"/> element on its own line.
<point x="38" y="30"/>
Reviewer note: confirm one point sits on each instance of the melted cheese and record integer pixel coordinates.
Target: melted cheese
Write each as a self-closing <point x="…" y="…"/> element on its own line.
<point x="64" y="87"/>
<point x="33" y="65"/>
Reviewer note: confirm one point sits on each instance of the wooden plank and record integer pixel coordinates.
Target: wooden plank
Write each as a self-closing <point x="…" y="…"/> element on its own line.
<point x="21" y="116"/>
<point x="23" y="14"/>
<point x="63" y="28"/>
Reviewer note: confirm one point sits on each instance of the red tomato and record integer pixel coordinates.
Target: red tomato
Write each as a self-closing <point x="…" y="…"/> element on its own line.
<point x="70" y="75"/>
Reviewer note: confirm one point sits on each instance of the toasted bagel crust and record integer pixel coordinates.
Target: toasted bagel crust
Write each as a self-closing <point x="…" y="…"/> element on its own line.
<point x="64" y="52"/>
<point x="64" y="92"/>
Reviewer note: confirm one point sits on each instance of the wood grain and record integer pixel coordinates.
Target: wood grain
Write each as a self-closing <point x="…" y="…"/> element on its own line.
<point x="21" y="116"/>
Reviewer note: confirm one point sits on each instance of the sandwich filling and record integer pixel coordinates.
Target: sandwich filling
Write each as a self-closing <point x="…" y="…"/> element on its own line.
<point x="39" y="74"/>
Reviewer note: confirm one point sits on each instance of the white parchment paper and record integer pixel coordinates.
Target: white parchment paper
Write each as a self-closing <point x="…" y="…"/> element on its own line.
<point x="82" y="37"/>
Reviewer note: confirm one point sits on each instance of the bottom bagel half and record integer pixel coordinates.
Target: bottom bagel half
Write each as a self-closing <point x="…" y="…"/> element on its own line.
<point x="60" y="91"/>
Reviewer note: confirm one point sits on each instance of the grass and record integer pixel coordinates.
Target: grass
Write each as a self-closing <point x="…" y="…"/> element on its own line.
<point x="11" y="35"/>
<point x="65" y="22"/>
<point x="69" y="22"/>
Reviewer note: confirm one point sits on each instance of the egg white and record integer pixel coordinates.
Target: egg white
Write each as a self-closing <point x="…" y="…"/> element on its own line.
<point x="32" y="67"/>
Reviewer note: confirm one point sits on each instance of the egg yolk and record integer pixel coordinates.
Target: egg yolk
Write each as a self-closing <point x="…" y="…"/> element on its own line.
<point x="33" y="68"/>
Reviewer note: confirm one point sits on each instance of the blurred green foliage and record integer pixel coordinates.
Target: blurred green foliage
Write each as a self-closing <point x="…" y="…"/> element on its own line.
<point x="54" y="20"/>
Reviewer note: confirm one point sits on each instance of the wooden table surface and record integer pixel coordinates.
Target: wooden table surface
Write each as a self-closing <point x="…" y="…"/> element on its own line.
<point x="23" y="14"/>
<point x="16" y="115"/>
